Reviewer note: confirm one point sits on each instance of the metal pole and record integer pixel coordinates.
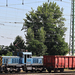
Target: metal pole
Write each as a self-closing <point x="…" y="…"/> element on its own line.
<point x="22" y="2"/>
<point x="6" y="2"/>
<point x="70" y="37"/>
<point x="73" y="31"/>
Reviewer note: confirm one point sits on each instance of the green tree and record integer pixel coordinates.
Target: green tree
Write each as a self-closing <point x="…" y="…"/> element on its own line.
<point x="8" y="54"/>
<point x="12" y="47"/>
<point x="30" y="35"/>
<point x="36" y="45"/>
<point x="50" y="17"/>
<point x="41" y="34"/>
<point x="19" y="43"/>
<point x="0" y="50"/>
<point x="3" y="49"/>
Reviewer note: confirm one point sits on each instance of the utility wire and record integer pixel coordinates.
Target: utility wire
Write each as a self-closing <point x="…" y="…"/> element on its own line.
<point x="23" y="9"/>
<point x="62" y="1"/>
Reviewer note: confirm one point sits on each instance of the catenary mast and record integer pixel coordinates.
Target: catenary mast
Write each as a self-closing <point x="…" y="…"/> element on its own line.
<point x="72" y="27"/>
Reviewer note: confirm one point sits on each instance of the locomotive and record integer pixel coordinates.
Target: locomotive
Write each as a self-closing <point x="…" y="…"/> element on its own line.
<point x="23" y="60"/>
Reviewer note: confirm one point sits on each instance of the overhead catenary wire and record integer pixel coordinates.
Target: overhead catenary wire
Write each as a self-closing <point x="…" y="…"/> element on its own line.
<point x="63" y="1"/>
<point x="11" y="7"/>
<point x="6" y="37"/>
<point x="34" y="2"/>
<point x="23" y="10"/>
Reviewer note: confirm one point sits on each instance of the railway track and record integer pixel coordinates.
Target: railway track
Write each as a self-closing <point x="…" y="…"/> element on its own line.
<point x="66" y="72"/>
<point x="40" y="74"/>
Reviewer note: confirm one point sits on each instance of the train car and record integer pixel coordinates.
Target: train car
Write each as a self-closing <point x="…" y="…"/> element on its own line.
<point x="10" y="63"/>
<point x="31" y="63"/>
<point x="23" y="60"/>
<point x="38" y="63"/>
<point x="10" y="60"/>
<point x="38" y="60"/>
<point x="58" y="62"/>
<point x="35" y="64"/>
<point x="14" y="63"/>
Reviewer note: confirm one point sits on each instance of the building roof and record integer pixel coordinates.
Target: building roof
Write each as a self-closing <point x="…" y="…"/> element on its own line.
<point x="27" y="53"/>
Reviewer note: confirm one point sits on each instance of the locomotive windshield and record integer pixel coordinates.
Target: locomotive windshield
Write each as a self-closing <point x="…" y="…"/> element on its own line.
<point x="29" y="56"/>
<point x="26" y="55"/>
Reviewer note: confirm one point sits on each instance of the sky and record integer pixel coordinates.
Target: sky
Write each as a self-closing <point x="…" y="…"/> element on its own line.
<point x="12" y="13"/>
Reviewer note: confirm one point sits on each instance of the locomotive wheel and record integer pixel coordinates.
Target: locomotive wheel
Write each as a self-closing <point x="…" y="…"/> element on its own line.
<point x="26" y="71"/>
<point x="0" y="71"/>
<point x="35" y="69"/>
<point x="55" y="71"/>
<point x="31" y="71"/>
<point x="40" y="71"/>
<point x="10" y="71"/>
<point x="16" y="71"/>
<point x="49" y="70"/>
<point x="61" y="70"/>
<point x="6" y="71"/>
<point x="43" y="70"/>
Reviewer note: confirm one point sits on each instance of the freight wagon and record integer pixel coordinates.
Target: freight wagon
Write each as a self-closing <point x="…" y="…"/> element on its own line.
<point x="58" y="62"/>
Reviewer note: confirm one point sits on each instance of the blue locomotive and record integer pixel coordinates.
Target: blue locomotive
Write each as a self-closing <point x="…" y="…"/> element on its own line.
<point x="23" y="60"/>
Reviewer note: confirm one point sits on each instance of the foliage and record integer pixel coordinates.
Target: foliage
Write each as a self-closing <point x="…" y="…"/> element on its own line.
<point x="19" y="43"/>
<point x="36" y="46"/>
<point x="3" y="50"/>
<point x="12" y="47"/>
<point x="47" y="18"/>
<point x="8" y="54"/>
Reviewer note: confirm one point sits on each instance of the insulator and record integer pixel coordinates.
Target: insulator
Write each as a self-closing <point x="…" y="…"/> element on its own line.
<point x="6" y="2"/>
<point x="22" y="2"/>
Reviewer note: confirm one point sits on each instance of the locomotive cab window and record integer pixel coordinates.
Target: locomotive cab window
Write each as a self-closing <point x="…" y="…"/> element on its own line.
<point x="4" y="61"/>
<point x="28" y="56"/>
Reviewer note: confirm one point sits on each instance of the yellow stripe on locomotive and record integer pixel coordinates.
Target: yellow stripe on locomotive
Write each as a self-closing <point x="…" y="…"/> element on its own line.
<point x="0" y="61"/>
